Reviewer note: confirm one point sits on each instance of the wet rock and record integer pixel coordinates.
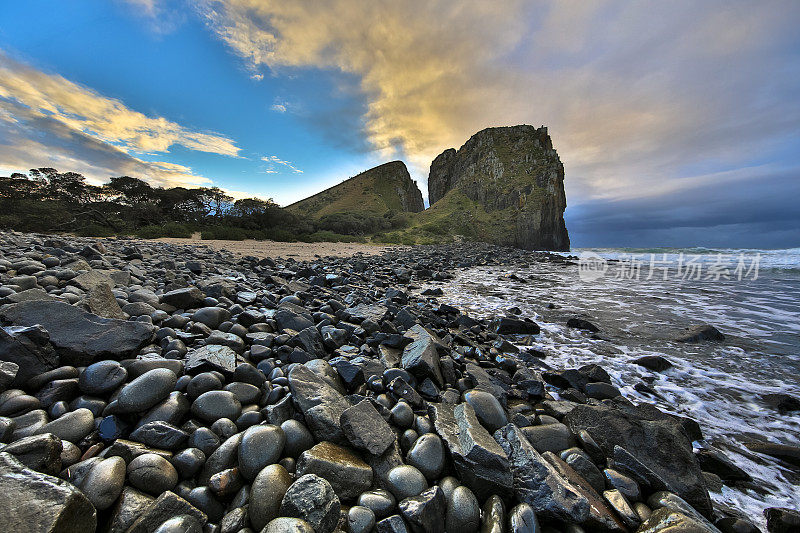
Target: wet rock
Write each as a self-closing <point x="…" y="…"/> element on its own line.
<point x="550" y="437"/>
<point x="637" y="440"/>
<point x="463" y="511"/>
<point x="380" y="501"/>
<point x="102" y="377"/>
<point x="538" y="483"/>
<point x="180" y="524"/>
<point x="366" y="429"/>
<point x="585" y="325"/>
<point x="513" y="326"/>
<point x="360" y="519"/>
<point x="32" y="501"/>
<point x="480" y="462"/>
<point x="211" y="316"/>
<point x="653" y="362"/>
<point x="701" y="333"/>
<point x="261" y="446"/>
<point x="188" y="462"/>
<point x="146" y="391"/>
<point x="321" y="404"/>
<point x="214" y="405"/>
<point x="38" y="452"/>
<point x="784" y="403"/>
<point x="160" y="434"/>
<point x="104" y="482"/>
<point x="622" y="507"/>
<point x="405" y="481"/>
<point x="392" y="524"/>
<point x="80" y="338"/>
<point x="427" y="455"/>
<point x="266" y="494"/>
<point x="211" y="357"/>
<point x="72" y="426"/>
<point x="782" y="520"/>
<point x="421" y="357"/>
<point x="522" y="519"/>
<point x="494" y="515"/>
<point x="284" y="524"/>
<point x="628" y="487"/>
<point x="714" y="461"/>
<point x="168" y="505"/>
<point x="130" y="505"/>
<point x="346" y="472"/>
<point x="298" y="438"/>
<point x="101" y="301"/>
<point x="667" y="520"/>
<point x="27" y="348"/>
<point x="312" y="499"/>
<point x="425" y="513"/>
<point x="784" y="452"/>
<point x="222" y="458"/>
<point x="487" y="408"/>
<point x="152" y="473"/>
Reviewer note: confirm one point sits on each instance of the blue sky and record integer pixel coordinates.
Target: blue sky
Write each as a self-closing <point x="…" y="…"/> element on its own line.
<point x="678" y="122"/>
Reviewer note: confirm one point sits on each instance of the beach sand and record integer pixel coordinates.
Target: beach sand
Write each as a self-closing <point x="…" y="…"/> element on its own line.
<point x="301" y="251"/>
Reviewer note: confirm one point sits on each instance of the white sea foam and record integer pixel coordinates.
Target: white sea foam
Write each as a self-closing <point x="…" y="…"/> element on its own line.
<point x="719" y="385"/>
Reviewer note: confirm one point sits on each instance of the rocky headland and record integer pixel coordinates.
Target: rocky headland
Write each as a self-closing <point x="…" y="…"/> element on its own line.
<point x="147" y="387"/>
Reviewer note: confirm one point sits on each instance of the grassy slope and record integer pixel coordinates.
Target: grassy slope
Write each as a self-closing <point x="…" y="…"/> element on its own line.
<point x="370" y="192"/>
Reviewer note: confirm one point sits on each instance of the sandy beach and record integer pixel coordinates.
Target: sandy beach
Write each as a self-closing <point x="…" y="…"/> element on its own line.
<point x="302" y="251"/>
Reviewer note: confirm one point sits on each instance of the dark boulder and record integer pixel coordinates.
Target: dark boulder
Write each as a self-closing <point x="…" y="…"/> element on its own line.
<point x="80" y="338"/>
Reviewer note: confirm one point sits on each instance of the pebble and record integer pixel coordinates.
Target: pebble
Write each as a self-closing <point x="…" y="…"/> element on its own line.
<point x="152" y="473"/>
<point x="146" y="391"/>
<point x="266" y="495"/>
<point x="463" y="511"/>
<point x="261" y="446"/>
<point x="213" y="405"/>
<point x="405" y="481"/>
<point x="487" y="408"/>
<point x="103" y="484"/>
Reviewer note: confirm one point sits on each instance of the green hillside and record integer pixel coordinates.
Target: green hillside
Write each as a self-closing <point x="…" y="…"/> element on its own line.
<point x="380" y="190"/>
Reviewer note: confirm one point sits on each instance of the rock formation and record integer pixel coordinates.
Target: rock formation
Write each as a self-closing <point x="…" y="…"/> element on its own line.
<point x="387" y="187"/>
<point x="515" y="175"/>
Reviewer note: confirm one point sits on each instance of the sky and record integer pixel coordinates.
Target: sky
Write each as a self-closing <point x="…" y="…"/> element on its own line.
<point x="678" y="122"/>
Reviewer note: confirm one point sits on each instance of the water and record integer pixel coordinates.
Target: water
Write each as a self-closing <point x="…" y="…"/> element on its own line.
<point x="719" y="385"/>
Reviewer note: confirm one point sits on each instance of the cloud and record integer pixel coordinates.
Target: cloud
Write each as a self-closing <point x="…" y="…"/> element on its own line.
<point x="48" y="120"/>
<point x="273" y="160"/>
<point x="280" y="108"/>
<point x="106" y="119"/>
<point x="635" y="94"/>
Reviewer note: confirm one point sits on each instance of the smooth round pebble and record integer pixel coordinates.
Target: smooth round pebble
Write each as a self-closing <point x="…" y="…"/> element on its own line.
<point x="463" y="511"/>
<point x="266" y="494"/>
<point x="405" y="481"/>
<point x="72" y="426"/>
<point x="522" y="519"/>
<point x="146" y="391"/>
<point x="380" y="501"/>
<point x="188" y="462"/>
<point x="102" y="377"/>
<point x="152" y="473"/>
<point x="427" y="455"/>
<point x="284" y="524"/>
<point x="213" y="405"/>
<point x="298" y="438"/>
<point x="261" y="446"/>
<point x="487" y="408"/>
<point x="104" y="482"/>
<point x="360" y="519"/>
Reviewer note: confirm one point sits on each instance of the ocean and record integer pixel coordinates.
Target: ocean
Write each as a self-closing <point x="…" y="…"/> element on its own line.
<point x="642" y="299"/>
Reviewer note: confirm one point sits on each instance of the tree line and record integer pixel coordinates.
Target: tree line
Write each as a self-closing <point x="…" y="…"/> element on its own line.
<point x="46" y="200"/>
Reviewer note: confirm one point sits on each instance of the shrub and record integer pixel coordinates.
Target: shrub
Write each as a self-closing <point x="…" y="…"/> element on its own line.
<point x="170" y="229"/>
<point x="94" y="230"/>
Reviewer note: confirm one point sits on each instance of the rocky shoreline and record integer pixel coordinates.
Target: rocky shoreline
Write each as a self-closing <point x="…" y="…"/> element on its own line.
<point x="149" y="387"/>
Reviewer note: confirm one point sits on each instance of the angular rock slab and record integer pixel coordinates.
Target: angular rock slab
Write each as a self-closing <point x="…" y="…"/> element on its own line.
<point x="345" y="471"/>
<point x="421" y="357"/>
<point x="29" y="349"/>
<point x="211" y="357"/>
<point x="366" y="429"/>
<point x="654" y="451"/>
<point x="320" y="403"/>
<point x="538" y="483"/>
<point x="80" y="338"/>
<point x="481" y="464"/>
<point x="32" y="501"/>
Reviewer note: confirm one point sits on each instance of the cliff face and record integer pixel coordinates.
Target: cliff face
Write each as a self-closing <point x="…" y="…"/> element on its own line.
<point x="387" y="187"/>
<point x="515" y="175"/>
